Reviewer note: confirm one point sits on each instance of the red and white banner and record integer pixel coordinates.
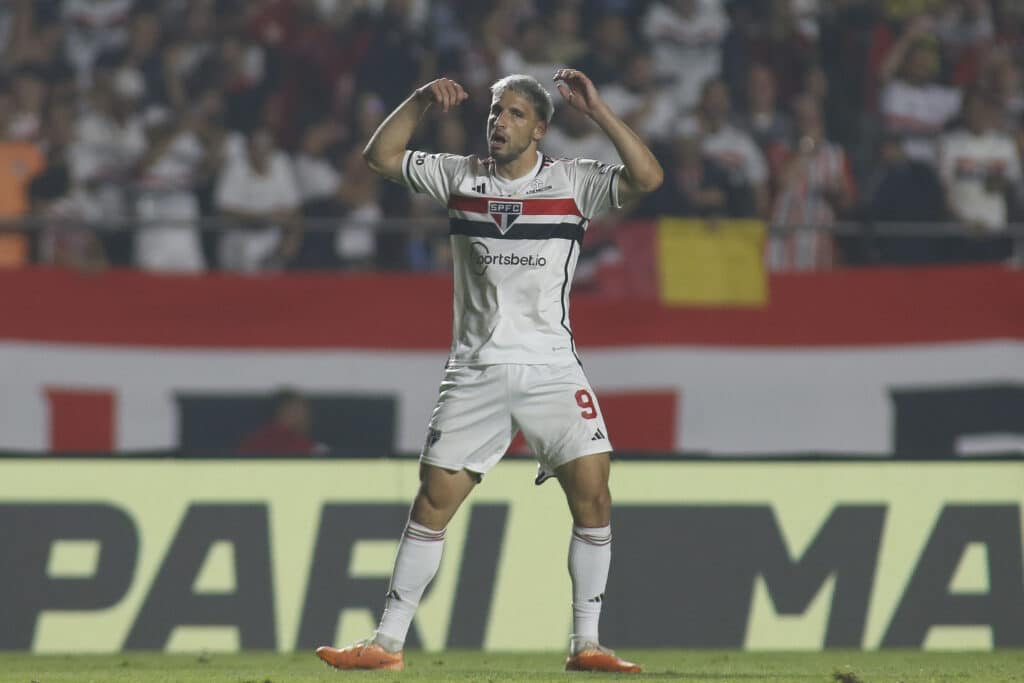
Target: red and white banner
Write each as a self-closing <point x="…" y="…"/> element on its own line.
<point x="919" y="362"/>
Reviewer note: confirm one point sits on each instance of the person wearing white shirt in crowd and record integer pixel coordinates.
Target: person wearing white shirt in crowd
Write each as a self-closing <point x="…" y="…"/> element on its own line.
<point x="94" y="26"/>
<point x="109" y="139"/>
<point x="572" y="134"/>
<point x="687" y="37"/>
<point x="646" y="108"/>
<point x="979" y="166"/>
<point x="257" y="190"/>
<point x="913" y="104"/>
<point x="730" y="147"/>
<point x="530" y="55"/>
<point x="181" y="153"/>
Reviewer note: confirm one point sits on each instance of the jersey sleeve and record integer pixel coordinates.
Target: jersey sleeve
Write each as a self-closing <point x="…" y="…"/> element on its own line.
<point x="433" y="174"/>
<point x="595" y="186"/>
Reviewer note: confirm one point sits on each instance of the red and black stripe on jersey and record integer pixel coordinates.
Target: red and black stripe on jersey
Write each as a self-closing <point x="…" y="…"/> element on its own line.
<point x="571" y="226"/>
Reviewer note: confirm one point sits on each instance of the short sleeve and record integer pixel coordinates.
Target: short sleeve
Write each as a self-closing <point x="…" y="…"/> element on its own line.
<point x="433" y="174"/>
<point x="595" y="186"/>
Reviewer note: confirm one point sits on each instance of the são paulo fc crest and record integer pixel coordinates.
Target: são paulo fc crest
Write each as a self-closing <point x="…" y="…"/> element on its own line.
<point x="504" y="214"/>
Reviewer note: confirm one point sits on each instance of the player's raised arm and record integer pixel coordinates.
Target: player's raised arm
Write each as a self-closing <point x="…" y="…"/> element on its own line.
<point x="386" y="148"/>
<point x="642" y="172"/>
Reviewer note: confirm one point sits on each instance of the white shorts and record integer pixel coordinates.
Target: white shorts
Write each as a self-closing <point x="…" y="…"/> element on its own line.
<point x="481" y="407"/>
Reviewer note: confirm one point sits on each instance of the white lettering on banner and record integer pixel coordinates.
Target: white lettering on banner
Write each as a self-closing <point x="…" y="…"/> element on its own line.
<point x="766" y="401"/>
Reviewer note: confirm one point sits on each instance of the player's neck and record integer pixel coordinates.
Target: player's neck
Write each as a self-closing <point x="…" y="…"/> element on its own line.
<point x="518" y="167"/>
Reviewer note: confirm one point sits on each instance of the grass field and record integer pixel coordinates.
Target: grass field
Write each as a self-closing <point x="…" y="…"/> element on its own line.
<point x="659" y="665"/>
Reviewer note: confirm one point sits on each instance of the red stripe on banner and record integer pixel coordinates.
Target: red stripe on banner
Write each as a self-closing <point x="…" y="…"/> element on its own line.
<point x="636" y="421"/>
<point x="641" y="420"/>
<point x="414" y="311"/>
<point x="531" y="207"/>
<point x="81" y="420"/>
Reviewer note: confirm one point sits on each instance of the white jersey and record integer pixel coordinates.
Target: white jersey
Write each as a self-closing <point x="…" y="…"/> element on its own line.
<point x="514" y="250"/>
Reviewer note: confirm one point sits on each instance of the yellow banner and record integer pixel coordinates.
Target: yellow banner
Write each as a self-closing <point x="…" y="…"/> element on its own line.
<point x="100" y="556"/>
<point x="712" y="263"/>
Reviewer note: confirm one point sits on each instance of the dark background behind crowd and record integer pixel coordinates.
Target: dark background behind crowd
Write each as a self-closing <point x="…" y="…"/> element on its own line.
<point x="185" y="135"/>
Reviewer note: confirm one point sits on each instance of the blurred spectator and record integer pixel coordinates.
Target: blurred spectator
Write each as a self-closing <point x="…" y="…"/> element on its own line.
<point x="182" y="153"/>
<point x="29" y="90"/>
<point x="573" y="134"/>
<point x="913" y="103"/>
<point x="65" y="240"/>
<point x="58" y="131"/>
<point x="33" y="33"/>
<point x="845" y="29"/>
<point x="648" y="109"/>
<point x="187" y="51"/>
<point x="319" y="179"/>
<point x="696" y="186"/>
<point x="242" y="78"/>
<point x="815" y="186"/>
<point x="256" y="190"/>
<point x="731" y="148"/>
<point x="93" y="27"/>
<point x="772" y="34"/>
<point x="979" y="167"/>
<point x="355" y="241"/>
<point x="530" y="54"/>
<point x="1001" y="80"/>
<point x="686" y="36"/>
<point x="317" y="176"/>
<point x="109" y="140"/>
<point x="610" y="42"/>
<point x="769" y="124"/>
<point x="140" y="74"/>
<point x="312" y="51"/>
<point x="20" y="160"/>
<point x="287" y="432"/>
<point x="396" y="48"/>
<point x="965" y="30"/>
<point x="902" y="189"/>
<point x="566" y="43"/>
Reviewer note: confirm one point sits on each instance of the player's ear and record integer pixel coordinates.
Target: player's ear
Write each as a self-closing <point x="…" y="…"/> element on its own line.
<point x="540" y="130"/>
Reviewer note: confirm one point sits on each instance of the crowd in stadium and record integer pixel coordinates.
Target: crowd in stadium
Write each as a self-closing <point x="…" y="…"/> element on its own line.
<point x="155" y="118"/>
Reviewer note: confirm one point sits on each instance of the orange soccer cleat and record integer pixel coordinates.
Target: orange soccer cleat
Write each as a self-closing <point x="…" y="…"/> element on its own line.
<point x="365" y="654"/>
<point x="593" y="657"/>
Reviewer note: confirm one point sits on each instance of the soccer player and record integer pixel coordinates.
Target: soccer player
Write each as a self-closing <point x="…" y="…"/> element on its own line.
<point x="516" y="222"/>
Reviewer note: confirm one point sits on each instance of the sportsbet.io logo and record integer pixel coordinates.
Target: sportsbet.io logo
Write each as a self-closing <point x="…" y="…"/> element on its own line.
<point x="482" y="258"/>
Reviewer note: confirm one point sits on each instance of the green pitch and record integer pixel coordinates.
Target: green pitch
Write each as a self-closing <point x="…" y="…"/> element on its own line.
<point x="659" y="665"/>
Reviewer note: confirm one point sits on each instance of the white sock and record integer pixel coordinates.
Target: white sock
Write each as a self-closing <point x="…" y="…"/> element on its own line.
<point x="419" y="556"/>
<point x="590" y="554"/>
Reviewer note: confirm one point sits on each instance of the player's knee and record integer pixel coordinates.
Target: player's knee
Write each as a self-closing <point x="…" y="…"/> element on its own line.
<point x="592" y="508"/>
<point x="431" y="499"/>
<point x="603" y="502"/>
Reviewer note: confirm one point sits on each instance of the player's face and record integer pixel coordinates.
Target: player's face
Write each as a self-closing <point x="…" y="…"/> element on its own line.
<point x="512" y="127"/>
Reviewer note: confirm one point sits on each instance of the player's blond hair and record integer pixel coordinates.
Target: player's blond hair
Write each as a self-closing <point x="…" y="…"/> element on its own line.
<point x="530" y="88"/>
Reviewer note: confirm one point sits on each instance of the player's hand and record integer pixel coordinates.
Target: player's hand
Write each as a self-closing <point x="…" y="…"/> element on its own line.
<point x="578" y="90"/>
<point x="444" y="92"/>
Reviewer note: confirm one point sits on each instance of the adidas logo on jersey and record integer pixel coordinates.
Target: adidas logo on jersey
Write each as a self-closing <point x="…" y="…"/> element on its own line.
<point x="598" y="435"/>
<point x="480" y="189"/>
